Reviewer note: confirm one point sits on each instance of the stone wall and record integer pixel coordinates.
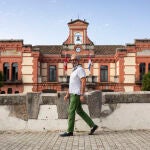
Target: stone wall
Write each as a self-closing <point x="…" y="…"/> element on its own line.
<point x="48" y="111"/>
<point x="127" y="97"/>
<point x="26" y="106"/>
<point x="16" y="104"/>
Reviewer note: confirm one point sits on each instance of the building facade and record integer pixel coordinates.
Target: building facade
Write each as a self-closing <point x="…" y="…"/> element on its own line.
<point x="28" y="68"/>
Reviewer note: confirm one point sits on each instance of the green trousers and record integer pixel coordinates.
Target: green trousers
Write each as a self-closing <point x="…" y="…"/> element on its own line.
<point x="75" y="106"/>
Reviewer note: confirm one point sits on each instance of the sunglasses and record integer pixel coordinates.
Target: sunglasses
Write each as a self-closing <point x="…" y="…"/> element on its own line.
<point x="73" y="59"/>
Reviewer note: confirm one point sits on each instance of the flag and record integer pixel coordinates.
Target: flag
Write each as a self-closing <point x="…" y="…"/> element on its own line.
<point x="89" y="63"/>
<point x="65" y="63"/>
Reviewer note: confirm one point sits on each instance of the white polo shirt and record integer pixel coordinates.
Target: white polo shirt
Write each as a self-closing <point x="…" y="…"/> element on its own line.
<point x="75" y="80"/>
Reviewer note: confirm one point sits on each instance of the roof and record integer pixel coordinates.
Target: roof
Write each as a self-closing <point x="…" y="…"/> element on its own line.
<point x="11" y="40"/>
<point x="56" y="49"/>
<point x="142" y="40"/>
<point x="106" y="49"/>
<point x="78" y="20"/>
<point x="48" y="49"/>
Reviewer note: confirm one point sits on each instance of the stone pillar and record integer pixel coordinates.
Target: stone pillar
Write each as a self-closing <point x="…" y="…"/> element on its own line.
<point x="33" y="105"/>
<point x="94" y="101"/>
<point x="62" y="106"/>
<point x="16" y="105"/>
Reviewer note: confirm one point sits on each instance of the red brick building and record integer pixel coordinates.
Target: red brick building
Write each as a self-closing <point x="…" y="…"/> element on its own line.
<point x="29" y="68"/>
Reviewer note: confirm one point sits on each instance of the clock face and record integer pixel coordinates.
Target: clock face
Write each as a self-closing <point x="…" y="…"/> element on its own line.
<point x="77" y="38"/>
<point x="78" y="49"/>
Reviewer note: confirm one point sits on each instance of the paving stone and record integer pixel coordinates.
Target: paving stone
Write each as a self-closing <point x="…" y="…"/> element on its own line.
<point x="121" y="140"/>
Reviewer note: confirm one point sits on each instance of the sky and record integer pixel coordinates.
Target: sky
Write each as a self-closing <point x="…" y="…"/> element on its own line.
<point x="44" y="22"/>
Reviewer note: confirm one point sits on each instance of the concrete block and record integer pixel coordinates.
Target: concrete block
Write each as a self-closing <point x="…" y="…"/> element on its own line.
<point x="94" y="101"/>
<point x="48" y="98"/>
<point x="33" y="105"/>
<point x="62" y="106"/>
<point x="12" y="99"/>
<point x="127" y="97"/>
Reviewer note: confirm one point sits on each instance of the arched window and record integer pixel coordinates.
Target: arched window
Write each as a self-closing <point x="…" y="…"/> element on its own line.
<point x="52" y="73"/>
<point x="14" y="71"/>
<point x="6" y="71"/>
<point x="149" y="67"/>
<point x="104" y="74"/>
<point x="142" y="70"/>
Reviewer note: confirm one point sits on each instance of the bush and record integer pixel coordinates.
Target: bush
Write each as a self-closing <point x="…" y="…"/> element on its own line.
<point x="146" y="82"/>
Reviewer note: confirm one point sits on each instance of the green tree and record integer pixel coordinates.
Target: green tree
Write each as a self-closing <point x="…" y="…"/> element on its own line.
<point x="146" y="82"/>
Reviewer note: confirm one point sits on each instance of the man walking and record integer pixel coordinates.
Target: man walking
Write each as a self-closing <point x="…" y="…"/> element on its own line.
<point x="76" y="94"/>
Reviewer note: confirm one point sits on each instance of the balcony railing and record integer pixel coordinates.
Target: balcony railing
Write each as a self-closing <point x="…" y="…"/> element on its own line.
<point x="63" y="79"/>
<point x="13" y="82"/>
<point x="89" y="79"/>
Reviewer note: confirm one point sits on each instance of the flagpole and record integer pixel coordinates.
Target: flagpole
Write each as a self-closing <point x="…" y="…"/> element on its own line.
<point x="89" y="64"/>
<point x="65" y="66"/>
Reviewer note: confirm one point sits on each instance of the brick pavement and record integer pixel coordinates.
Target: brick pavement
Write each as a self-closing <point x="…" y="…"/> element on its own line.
<point x="122" y="140"/>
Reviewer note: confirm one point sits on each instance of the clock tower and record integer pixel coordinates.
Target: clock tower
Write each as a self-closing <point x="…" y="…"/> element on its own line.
<point x="78" y="41"/>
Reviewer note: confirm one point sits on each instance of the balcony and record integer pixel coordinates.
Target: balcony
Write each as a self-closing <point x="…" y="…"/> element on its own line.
<point x="63" y="79"/>
<point x="89" y="79"/>
<point x="13" y="82"/>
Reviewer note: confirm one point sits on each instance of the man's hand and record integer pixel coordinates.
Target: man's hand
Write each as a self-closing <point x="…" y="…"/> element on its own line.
<point x="66" y="97"/>
<point x="82" y="98"/>
<point x="82" y="90"/>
